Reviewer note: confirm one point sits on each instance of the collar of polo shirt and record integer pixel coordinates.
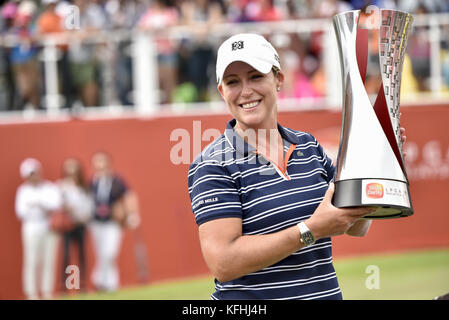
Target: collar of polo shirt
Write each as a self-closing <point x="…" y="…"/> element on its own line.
<point x="240" y="145"/>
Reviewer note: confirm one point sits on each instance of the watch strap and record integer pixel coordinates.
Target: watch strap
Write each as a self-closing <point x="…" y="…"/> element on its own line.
<point x="306" y="236"/>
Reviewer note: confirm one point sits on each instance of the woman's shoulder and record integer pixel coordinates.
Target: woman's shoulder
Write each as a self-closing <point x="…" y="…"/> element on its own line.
<point x="301" y="136"/>
<point x="214" y="152"/>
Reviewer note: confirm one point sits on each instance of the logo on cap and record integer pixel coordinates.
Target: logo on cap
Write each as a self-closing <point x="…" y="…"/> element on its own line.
<point x="374" y="190"/>
<point x="276" y="57"/>
<point x="237" y="45"/>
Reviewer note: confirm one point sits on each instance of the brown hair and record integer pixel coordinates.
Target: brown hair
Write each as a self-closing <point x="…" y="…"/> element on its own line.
<point x="79" y="173"/>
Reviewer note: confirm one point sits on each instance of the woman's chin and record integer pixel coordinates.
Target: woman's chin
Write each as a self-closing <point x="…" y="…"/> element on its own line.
<point x="250" y="121"/>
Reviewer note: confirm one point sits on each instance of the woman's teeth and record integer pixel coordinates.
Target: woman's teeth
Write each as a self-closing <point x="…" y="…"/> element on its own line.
<point x="250" y="105"/>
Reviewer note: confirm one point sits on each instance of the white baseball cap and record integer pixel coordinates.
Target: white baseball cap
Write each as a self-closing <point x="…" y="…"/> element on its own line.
<point x="250" y="48"/>
<point x="29" y="166"/>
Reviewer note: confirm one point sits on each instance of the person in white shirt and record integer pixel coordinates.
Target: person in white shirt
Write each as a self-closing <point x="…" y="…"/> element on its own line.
<point x="115" y="209"/>
<point x="36" y="199"/>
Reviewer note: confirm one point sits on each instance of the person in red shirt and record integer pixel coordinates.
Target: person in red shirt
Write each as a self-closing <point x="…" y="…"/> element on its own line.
<point x="268" y="11"/>
<point x="51" y="23"/>
<point x="160" y="15"/>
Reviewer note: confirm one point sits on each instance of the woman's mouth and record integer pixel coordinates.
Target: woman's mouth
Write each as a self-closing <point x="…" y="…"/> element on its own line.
<point x="250" y="105"/>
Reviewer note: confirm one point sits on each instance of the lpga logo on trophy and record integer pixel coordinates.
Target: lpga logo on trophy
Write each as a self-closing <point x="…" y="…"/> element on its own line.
<point x="370" y="165"/>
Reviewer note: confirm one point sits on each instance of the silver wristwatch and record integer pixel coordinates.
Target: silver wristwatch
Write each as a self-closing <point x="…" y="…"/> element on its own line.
<point x="306" y="237"/>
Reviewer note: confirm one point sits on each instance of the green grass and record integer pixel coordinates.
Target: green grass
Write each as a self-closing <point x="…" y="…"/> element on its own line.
<point x="418" y="275"/>
<point x="414" y="275"/>
<point x="190" y="289"/>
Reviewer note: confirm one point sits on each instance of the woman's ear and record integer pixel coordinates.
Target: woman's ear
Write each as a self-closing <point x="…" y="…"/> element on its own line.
<point x="279" y="79"/>
<point x="220" y="89"/>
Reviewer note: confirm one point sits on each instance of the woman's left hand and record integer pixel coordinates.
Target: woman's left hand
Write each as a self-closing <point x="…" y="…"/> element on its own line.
<point x="403" y="139"/>
<point x="403" y="136"/>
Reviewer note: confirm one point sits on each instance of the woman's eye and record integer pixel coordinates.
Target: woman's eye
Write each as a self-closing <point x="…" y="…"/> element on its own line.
<point x="256" y="76"/>
<point x="231" y="82"/>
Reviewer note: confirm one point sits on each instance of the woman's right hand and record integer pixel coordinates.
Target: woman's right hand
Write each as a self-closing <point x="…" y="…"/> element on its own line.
<point x="328" y="220"/>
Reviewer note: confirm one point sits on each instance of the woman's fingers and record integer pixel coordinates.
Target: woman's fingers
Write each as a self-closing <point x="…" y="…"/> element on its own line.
<point x="330" y="192"/>
<point x="359" y="212"/>
<point x="403" y="139"/>
<point x="403" y="136"/>
<point x="327" y="199"/>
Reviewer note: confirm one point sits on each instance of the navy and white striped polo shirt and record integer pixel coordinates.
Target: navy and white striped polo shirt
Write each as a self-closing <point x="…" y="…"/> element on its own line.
<point x="229" y="179"/>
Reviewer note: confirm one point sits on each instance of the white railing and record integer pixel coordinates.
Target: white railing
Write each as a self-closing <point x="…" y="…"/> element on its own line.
<point x="144" y="57"/>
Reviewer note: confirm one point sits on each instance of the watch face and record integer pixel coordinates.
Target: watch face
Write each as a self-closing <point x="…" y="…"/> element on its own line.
<point x="308" y="238"/>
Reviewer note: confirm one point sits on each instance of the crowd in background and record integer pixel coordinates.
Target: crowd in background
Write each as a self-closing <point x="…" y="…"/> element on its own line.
<point x="65" y="210"/>
<point x="95" y="73"/>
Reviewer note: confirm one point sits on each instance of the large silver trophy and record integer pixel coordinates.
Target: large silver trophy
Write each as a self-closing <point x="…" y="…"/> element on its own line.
<point x="370" y="166"/>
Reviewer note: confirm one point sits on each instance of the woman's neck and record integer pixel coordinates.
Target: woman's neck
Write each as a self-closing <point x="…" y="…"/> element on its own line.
<point x="266" y="139"/>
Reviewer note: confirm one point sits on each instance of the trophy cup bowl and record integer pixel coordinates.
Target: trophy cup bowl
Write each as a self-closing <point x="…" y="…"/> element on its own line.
<point x="370" y="168"/>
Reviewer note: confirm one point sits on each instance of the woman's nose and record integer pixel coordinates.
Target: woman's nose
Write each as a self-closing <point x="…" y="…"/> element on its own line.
<point x="246" y="89"/>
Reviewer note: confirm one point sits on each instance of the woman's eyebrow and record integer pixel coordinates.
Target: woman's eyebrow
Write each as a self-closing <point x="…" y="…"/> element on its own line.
<point x="229" y="75"/>
<point x="236" y="75"/>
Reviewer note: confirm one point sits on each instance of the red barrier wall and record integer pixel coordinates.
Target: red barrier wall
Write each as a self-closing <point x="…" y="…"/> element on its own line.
<point x="141" y="150"/>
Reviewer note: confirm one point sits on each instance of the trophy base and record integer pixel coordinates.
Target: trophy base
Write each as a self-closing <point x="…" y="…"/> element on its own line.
<point x="390" y="197"/>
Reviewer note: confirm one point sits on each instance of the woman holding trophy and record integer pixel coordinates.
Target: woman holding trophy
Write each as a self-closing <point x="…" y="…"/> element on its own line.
<point x="261" y="193"/>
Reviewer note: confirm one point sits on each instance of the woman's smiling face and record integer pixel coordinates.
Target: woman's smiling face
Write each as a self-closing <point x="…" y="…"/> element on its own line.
<point x="250" y="95"/>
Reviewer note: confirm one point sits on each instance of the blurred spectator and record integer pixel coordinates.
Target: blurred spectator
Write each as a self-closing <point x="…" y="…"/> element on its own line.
<point x="124" y="15"/>
<point x="201" y="15"/>
<point x="309" y="79"/>
<point x="78" y="205"/>
<point x="300" y="9"/>
<point x="112" y="212"/>
<point x="445" y="56"/>
<point x="8" y="92"/>
<point x="240" y="11"/>
<point x="328" y="8"/>
<point x="419" y="51"/>
<point x="253" y="10"/>
<point x="360" y="4"/>
<point x="50" y="22"/>
<point x="84" y="67"/>
<point x="296" y="83"/>
<point x="93" y="73"/>
<point x="267" y="11"/>
<point x="160" y="15"/>
<point x="36" y="199"/>
<point x="428" y="5"/>
<point x="8" y="14"/>
<point x="23" y="56"/>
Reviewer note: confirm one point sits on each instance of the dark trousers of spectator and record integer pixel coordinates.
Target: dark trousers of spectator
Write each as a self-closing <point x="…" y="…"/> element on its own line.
<point x="123" y="71"/>
<point x="77" y="236"/>
<point x="8" y="93"/>
<point x="66" y="86"/>
<point x="200" y="60"/>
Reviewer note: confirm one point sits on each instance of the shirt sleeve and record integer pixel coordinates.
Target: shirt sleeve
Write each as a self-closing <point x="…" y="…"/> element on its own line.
<point x="79" y="201"/>
<point x="119" y="188"/>
<point x="213" y="192"/>
<point x="21" y="203"/>
<point x="328" y="166"/>
<point x="51" y="197"/>
<point x="326" y="161"/>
